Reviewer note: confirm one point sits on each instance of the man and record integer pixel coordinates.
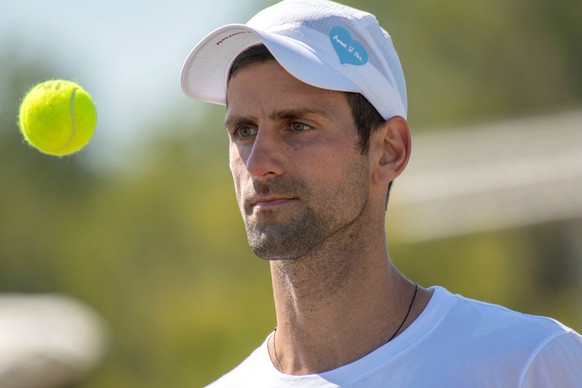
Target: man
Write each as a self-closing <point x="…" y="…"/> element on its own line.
<point x="316" y="116"/>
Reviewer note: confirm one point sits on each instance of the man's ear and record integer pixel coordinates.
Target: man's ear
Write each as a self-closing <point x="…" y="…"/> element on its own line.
<point x="390" y="148"/>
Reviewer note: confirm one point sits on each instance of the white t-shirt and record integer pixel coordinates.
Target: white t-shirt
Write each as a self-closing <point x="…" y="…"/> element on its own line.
<point x="455" y="342"/>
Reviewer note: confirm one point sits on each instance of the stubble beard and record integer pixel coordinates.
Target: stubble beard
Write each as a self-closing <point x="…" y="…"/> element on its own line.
<point x="290" y="239"/>
<point x="304" y="229"/>
<point x="277" y="237"/>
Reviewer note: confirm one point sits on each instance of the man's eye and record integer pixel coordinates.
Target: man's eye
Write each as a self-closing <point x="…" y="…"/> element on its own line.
<point x="299" y="127"/>
<point x="246" y="132"/>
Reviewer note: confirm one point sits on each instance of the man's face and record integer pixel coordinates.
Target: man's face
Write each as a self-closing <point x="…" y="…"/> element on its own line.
<point x="299" y="175"/>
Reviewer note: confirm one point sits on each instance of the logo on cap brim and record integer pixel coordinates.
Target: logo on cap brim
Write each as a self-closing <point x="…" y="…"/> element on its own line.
<point x="348" y="50"/>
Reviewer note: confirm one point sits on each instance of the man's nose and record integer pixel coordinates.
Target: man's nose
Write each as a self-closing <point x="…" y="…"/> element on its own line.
<point x="266" y="155"/>
<point x="265" y="158"/>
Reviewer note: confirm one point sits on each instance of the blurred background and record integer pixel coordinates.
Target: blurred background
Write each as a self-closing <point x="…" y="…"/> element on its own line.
<point x="133" y="250"/>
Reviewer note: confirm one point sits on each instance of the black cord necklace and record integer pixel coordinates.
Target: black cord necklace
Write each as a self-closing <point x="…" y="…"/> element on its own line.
<point x="407" y="313"/>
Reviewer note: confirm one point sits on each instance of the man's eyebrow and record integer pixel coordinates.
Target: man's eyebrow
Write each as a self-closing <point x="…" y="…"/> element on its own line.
<point x="279" y="115"/>
<point x="236" y="121"/>
<point x="297" y="113"/>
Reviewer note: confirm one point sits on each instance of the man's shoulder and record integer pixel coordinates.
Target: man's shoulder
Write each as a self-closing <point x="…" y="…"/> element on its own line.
<point x="546" y="352"/>
<point x="486" y="313"/>
<point x="507" y="345"/>
<point x="491" y="323"/>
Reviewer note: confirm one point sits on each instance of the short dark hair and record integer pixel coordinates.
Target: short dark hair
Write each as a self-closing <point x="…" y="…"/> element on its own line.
<point x="366" y="117"/>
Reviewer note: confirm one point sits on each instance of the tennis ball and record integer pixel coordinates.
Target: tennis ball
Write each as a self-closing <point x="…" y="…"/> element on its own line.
<point x="57" y="117"/>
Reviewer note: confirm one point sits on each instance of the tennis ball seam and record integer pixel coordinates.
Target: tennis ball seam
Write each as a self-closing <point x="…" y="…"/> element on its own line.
<point x="72" y="115"/>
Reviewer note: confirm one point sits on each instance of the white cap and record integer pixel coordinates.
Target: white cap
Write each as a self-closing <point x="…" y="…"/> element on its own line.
<point x="320" y="42"/>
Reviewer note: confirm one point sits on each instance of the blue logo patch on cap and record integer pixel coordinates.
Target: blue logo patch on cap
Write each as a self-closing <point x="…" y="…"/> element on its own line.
<point x="348" y="50"/>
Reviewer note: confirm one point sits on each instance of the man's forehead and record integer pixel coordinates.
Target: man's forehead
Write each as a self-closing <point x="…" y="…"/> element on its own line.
<point x="255" y="76"/>
<point x="269" y="88"/>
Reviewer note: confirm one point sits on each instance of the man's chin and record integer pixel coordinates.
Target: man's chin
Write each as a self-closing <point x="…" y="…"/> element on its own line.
<point x="271" y="251"/>
<point x="285" y="239"/>
<point x="268" y="247"/>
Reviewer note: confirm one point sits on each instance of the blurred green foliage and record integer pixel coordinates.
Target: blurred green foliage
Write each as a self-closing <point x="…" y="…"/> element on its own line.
<point x="159" y="249"/>
<point x="467" y="61"/>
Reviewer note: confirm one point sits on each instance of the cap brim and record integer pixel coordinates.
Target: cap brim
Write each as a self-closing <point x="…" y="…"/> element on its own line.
<point x="205" y="72"/>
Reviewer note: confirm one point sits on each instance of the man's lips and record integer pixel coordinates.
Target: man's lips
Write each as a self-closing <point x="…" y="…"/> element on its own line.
<point x="268" y="202"/>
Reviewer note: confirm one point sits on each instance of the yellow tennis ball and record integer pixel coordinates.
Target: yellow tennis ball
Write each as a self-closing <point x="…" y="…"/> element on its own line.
<point x="57" y="117"/>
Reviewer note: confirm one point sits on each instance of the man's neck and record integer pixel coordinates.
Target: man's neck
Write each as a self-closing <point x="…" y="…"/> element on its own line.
<point x="334" y="309"/>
